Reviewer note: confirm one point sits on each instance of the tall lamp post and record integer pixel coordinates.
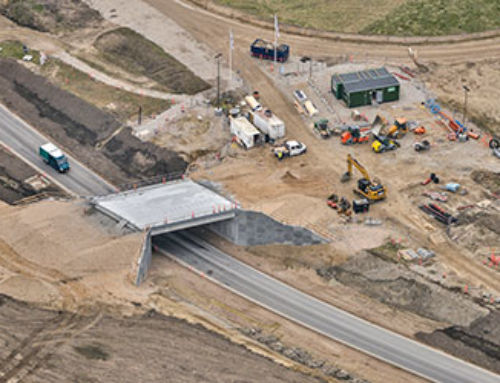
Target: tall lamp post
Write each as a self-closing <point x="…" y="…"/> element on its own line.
<point x="217" y="57"/>
<point x="466" y="92"/>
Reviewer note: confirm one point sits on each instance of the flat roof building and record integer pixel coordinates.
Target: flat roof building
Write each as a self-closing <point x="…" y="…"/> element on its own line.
<point x="365" y="87"/>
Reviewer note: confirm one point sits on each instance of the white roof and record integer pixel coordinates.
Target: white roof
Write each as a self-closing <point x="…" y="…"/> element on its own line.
<point x="52" y="149"/>
<point x="273" y="119"/>
<point x="245" y="126"/>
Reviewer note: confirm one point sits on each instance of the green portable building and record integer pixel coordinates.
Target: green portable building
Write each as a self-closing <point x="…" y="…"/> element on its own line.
<point x="365" y="87"/>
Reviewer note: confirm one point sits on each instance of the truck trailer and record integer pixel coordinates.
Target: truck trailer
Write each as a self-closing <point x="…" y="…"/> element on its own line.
<point x="268" y="123"/>
<point x="265" y="50"/>
<point x="53" y="156"/>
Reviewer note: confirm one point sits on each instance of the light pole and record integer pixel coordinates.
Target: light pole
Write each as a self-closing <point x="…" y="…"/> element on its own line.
<point x="466" y="92"/>
<point x="217" y="57"/>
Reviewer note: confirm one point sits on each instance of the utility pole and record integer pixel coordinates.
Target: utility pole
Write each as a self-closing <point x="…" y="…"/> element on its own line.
<point x="139" y="119"/>
<point x="276" y="37"/>
<point x="466" y="92"/>
<point x="217" y="57"/>
<point x="231" y="48"/>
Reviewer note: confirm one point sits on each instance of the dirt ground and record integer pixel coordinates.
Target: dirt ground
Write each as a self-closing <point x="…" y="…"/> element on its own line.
<point x="292" y="191"/>
<point x="93" y="277"/>
<point x="21" y="183"/>
<point x="57" y="346"/>
<point x="447" y="82"/>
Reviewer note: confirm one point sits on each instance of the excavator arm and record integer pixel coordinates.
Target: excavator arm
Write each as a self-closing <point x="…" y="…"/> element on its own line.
<point x="350" y="162"/>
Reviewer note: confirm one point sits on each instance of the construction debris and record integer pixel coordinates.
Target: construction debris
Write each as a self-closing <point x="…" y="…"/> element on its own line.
<point x="432" y="178"/>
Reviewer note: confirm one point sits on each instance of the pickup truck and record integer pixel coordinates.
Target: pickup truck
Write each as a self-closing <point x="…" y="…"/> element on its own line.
<point x="289" y="149"/>
<point x="53" y="156"/>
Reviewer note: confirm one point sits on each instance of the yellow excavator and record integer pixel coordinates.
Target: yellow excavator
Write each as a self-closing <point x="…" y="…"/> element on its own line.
<point x="371" y="190"/>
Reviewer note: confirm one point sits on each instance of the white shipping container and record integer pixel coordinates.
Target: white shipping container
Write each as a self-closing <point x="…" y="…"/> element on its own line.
<point x="268" y="124"/>
<point x="247" y="135"/>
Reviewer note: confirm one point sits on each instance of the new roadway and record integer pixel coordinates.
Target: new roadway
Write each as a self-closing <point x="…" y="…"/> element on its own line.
<point x="259" y="288"/>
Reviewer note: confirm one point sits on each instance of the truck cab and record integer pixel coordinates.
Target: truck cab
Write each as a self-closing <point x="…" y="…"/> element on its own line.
<point x="290" y="149"/>
<point x="54" y="157"/>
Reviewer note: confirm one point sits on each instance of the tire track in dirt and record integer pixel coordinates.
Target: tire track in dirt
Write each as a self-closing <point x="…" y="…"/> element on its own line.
<point x="37" y="348"/>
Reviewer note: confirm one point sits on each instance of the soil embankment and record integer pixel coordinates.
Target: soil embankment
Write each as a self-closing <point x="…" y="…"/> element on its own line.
<point x="478" y="343"/>
<point x="81" y="128"/>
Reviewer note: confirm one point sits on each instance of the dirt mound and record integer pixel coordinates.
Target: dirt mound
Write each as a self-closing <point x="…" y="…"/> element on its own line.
<point x="88" y="348"/>
<point x="51" y="15"/>
<point x="79" y="127"/>
<point x="478" y="343"/>
<point x="136" y="54"/>
<point x="135" y="157"/>
<point x="489" y="180"/>
<point x="396" y="286"/>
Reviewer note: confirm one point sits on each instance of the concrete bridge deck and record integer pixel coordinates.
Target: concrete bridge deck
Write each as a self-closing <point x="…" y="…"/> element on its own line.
<point x="166" y="207"/>
<point x="163" y="208"/>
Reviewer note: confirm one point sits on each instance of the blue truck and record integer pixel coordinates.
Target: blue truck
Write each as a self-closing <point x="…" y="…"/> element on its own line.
<point x="53" y="156"/>
<point x="265" y="50"/>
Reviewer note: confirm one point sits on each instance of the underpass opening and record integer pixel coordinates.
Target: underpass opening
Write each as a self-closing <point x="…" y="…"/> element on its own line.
<point x="163" y="208"/>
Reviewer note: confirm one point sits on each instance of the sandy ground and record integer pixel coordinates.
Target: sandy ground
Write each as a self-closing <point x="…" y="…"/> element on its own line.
<point x="51" y="346"/>
<point x="38" y="250"/>
<point x="292" y="191"/>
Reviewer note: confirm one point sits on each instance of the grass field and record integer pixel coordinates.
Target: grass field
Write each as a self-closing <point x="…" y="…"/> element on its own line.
<point x="135" y="54"/>
<point x="439" y="17"/>
<point x="332" y="15"/>
<point x="391" y="17"/>
<point x="14" y="49"/>
<point x="122" y="104"/>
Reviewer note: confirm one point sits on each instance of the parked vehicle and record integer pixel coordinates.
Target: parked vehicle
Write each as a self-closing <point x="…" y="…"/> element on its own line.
<point x="353" y="135"/>
<point x="265" y="50"/>
<point x="310" y="108"/>
<point x="253" y="103"/>
<point x="300" y="96"/>
<point x="289" y="149"/>
<point x="53" y="156"/>
<point x="383" y="144"/>
<point x="322" y="129"/>
<point x="422" y="146"/>
<point x="245" y="133"/>
<point x="272" y="127"/>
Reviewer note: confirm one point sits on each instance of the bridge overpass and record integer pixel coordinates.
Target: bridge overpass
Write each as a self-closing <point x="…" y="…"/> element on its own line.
<point x="163" y="208"/>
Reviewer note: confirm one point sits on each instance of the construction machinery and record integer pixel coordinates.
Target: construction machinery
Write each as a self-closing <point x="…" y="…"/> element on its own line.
<point x="383" y="144"/>
<point x="495" y="146"/>
<point x="371" y="190"/>
<point x="353" y="135"/>
<point x="399" y="128"/>
<point x="422" y="146"/>
<point x="343" y="206"/>
<point x="322" y="129"/>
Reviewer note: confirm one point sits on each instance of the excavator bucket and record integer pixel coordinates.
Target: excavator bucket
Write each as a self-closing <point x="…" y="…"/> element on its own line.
<point x="345" y="177"/>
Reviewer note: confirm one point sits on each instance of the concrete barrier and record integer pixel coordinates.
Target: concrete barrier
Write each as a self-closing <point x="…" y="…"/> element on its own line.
<point x="145" y="258"/>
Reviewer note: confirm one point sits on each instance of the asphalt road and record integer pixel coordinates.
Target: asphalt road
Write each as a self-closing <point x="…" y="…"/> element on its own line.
<point x="258" y="287"/>
<point x="321" y="317"/>
<point x="25" y="141"/>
